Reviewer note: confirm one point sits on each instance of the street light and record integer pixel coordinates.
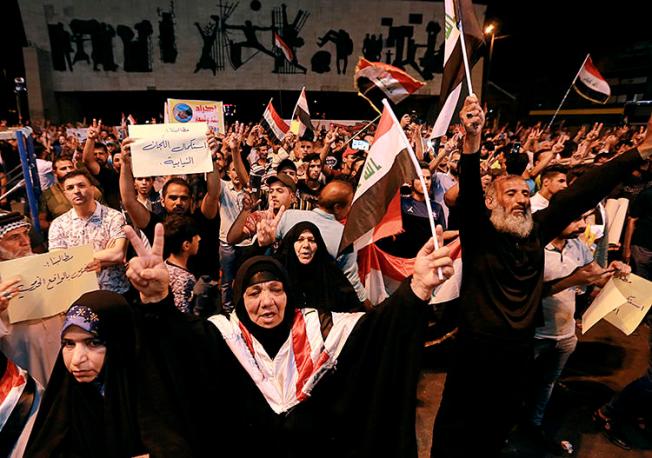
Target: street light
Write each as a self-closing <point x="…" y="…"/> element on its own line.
<point x="19" y="88"/>
<point x="490" y="30"/>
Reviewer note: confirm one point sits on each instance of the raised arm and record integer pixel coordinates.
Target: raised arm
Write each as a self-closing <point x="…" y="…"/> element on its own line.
<point x="210" y="204"/>
<point x="590" y="188"/>
<point x="137" y="212"/>
<point x="471" y="197"/>
<point x="88" y="154"/>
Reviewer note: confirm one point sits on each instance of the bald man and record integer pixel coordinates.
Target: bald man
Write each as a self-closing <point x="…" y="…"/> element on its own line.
<point x="332" y="209"/>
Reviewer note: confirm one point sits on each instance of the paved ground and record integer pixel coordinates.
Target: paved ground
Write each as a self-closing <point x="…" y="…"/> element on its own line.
<point x="605" y="360"/>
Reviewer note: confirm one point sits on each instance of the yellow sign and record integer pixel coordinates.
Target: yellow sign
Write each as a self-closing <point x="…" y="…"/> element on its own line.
<point x="51" y="282"/>
<point x="183" y="111"/>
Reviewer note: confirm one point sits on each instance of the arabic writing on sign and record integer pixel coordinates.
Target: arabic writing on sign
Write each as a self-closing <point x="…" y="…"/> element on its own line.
<point x="177" y="129"/>
<point x="170" y="149"/>
<point x="56" y="279"/>
<point x="180" y="162"/>
<point x="56" y="259"/>
<point x="49" y="282"/>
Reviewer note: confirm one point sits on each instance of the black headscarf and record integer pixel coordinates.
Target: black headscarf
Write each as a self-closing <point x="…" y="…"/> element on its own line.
<point x="74" y="418"/>
<point x="321" y="283"/>
<point x="266" y="268"/>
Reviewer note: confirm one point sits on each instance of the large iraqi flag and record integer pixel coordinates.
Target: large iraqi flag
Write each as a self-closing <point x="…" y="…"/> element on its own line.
<point x="590" y="84"/>
<point x="376" y="207"/>
<point x="385" y="80"/>
<point x="453" y="77"/>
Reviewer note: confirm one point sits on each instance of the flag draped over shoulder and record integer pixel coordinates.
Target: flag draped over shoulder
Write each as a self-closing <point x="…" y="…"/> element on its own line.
<point x="274" y="122"/>
<point x="301" y="115"/>
<point x="375" y="80"/>
<point x="453" y="77"/>
<point x="590" y="84"/>
<point x="376" y="207"/>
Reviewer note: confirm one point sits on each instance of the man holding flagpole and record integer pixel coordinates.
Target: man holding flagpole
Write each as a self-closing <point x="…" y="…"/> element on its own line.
<point x="502" y="286"/>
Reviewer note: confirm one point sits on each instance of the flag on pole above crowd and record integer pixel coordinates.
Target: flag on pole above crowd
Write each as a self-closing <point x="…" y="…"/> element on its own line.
<point x="375" y="80"/>
<point x="274" y="122"/>
<point x="301" y="116"/>
<point x="376" y="206"/>
<point x="590" y="84"/>
<point x="459" y="13"/>
<point x="283" y="46"/>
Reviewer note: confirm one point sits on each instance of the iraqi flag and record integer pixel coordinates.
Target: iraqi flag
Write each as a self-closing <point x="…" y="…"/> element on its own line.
<point x="382" y="273"/>
<point x="274" y="122"/>
<point x="301" y="116"/>
<point x="590" y="84"/>
<point x="376" y="206"/>
<point x="451" y="85"/>
<point x="384" y="80"/>
<point x="285" y="49"/>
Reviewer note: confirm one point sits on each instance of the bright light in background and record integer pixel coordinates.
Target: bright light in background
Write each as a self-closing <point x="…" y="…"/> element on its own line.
<point x="489" y="29"/>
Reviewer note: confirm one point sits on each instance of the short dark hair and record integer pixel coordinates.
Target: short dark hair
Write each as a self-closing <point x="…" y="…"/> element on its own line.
<point x="60" y="159"/>
<point x="516" y="163"/>
<point x="78" y="173"/>
<point x="100" y="145"/>
<point x="178" y="229"/>
<point x="286" y="164"/>
<point x="553" y="170"/>
<point x="175" y="180"/>
<point x="311" y="157"/>
<point x="489" y="145"/>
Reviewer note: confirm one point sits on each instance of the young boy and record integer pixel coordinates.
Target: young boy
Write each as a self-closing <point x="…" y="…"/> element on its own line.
<point x="181" y="242"/>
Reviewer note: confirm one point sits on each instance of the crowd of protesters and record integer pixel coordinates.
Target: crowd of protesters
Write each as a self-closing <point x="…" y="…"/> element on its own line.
<point x="224" y="295"/>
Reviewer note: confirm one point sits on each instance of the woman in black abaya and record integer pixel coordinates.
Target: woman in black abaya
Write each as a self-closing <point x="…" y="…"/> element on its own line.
<point x="89" y="405"/>
<point x="273" y="379"/>
<point x="313" y="274"/>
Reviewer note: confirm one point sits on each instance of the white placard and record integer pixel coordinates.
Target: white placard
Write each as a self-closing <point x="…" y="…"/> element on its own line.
<point x="170" y="149"/>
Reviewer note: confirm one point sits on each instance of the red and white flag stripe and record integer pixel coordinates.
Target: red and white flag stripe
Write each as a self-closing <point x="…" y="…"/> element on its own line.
<point x="382" y="273"/>
<point x="591" y="84"/>
<point x="275" y="123"/>
<point x="395" y="83"/>
<point x="304" y="358"/>
<point x="283" y="46"/>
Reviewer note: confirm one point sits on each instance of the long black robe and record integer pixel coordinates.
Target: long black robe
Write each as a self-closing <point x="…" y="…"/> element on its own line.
<point x="365" y="407"/>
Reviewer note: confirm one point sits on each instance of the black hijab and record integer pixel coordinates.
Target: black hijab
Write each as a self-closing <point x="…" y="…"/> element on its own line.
<point x="75" y="419"/>
<point x="252" y="270"/>
<point x="321" y="283"/>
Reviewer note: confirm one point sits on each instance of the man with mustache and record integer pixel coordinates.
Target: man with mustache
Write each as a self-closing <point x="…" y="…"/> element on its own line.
<point x="502" y="287"/>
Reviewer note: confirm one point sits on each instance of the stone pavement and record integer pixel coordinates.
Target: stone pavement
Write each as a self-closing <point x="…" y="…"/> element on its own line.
<point x="605" y="361"/>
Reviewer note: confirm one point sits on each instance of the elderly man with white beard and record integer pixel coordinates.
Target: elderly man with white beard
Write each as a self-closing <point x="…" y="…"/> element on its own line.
<point x="502" y="286"/>
<point x="34" y="344"/>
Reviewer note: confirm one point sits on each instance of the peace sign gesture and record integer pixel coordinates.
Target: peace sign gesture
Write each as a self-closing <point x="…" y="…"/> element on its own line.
<point x="266" y="228"/>
<point x="147" y="271"/>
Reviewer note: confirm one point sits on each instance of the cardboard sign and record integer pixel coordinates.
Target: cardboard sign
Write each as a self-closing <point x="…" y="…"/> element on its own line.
<point x="169" y="149"/>
<point x="623" y="303"/>
<point x="51" y="282"/>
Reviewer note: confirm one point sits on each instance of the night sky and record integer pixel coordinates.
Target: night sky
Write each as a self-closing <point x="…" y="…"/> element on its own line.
<point x="548" y="41"/>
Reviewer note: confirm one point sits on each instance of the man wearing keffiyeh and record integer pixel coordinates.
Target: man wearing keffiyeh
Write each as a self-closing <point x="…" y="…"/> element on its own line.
<point x="31" y="344"/>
